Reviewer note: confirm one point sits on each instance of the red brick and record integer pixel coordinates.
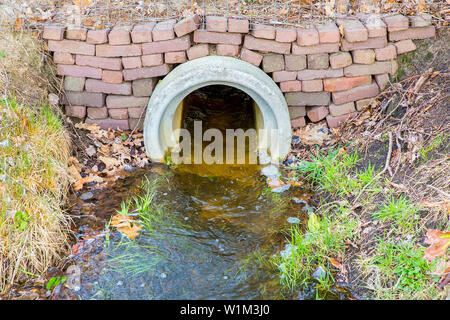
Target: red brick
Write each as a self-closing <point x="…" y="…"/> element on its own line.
<point x="76" y="33"/>
<point x="291" y="86"/>
<point x="178" y="44"/>
<point x="79" y="71"/>
<point x="319" y="48"/>
<point x="364" y="56"/>
<point x="251" y="57"/>
<point x="375" y="26"/>
<point x="307" y="98"/>
<point x="382" y="80"/>
<point x="136" y="112"/>
<point x="97" y="113"/>
<point x="286" y="35"/>
<point x="53" y="32"/>
<point x="227" y="50"/>
<point x="143" y="87"/>
<point x="93" y="85"/>
<point x="298" y="122"/>
<point x="198" y="51"/>
<point x="97" y="36"/>
<point x="394" y="67"/>
<point x="84" y="98"/>
<point x="354" y="30"/>
<point x="413" y="33"/>
<point x="339" y="110"/>
<point x="340" y="60"/>
<point x="109" y="123"/>
<point x="187" y="25"/>
<point x="216" y="24"/>
<point x="106" y="50"/>
<point x="405" y="46"/>
<point x="371" y="43"/>
<point x="120" y="35"/>
<point x="238" y="25"/>
<point x="202" y="36"/>
<point x="142" y="33"/>
<point x="99" y="62"/>
<point x="319" y="74"/>
<point x="71" y="46"/>
<point x="328" y="33"/>
<point x="421" y="20"/>
<point x="265" y="45"/>
<point x="76" y="111"/>
<point x="118" y="113"/>
<point x="146" y="72"/>
<point x="356" y="93"/>
<point x="164" y="30"/>
<point x="109" y="76"/>
<point x="295" y="112"/>
<point x="113" y="101"/>
<point x="273" y="62"/>
<point x="387" y="53"/>
<point x="281" y="76"/>
<point x="345" y="83"/>
<point x="334" y="122"/>
<point x="263" y="31"/>
<point x="365" y="69"/>
<point x="295" y="62"/>
<point x="307" y="37"/>
<point x="151" y="60"/>
<point x="312" y="85"/>
<point x="175" y="57"/>
<point x="318" y="61"/>
<point x="131" y="62"/>
<point x="74" y="83"/>
<point x="396" y="22"/>
<point x="315" y="114"/>
<point x="63" y="58"/>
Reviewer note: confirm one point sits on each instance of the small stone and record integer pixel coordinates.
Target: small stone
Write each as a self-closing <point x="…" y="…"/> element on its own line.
<point x="281" y="189"/>
<point x="129" y="168"/>
<point x="86" y="196"/>
<point x="270" y="171"/>
<point x="163" y="275"/>
<point x="90" y="151"/>
<point x="293" y="220"/>
<point x="263" y="157"/>
<point x="319" y="274"/>
<point x="53" y="99"/>
<point x="120" y="282"/>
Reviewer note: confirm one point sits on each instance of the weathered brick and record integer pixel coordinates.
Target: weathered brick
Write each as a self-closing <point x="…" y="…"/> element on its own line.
<point x="413" y="33"/>
<point x="340" y="60"/>
<point x="295" y="112"/>
<point x="273" y="62"/>
<point x="298" y="122"/>
<point x="118" y="113"/>
<point x="71" y="46"/>
<point x="76" y="33"/>
<point x="251" y="57"/>
<point x="371" y="43"/>
<point x="177" y="44"/>
<point x="265" y="45"/>
<point x="136" y="123"/>
<point x="375" y="26"/>
<point x="216" y="24"/>
<point x="151" y="60"/>
<point x="405" y="46"/>
<point x="110" y="76"/>
<point x="74" y="83"/>
<point x="315" y="114"/>
<point x="307" y="98"/>
<point x="63" y="58"/>
<point x="76" y="111"/>
<point x="334" y="122"/>
<point x="386" y="53"/>
<point x="307" y="37"/>
<point x="238" y="25"/>
<point x="295" y="62"/>
<point x="78" y="71"/>
<point x="198" y="51"/>
<point x="421" y="20"/>
<point x="354" y="30"/>
<point x="382" y="80"/>
<point x="97" y="113"/>
<point x="142" y="33"/>
<point x="339" y="110"/>
<point x="93" y="85"/>
<point x="146" y="72"/>
<point x="113" y="101"/>
<point x="143" y="87"/>
<point x="136" y="112"/>
<point x="99" y="62"/>
<point x="263" y="31"/>
<point x="318" y="61"/>
<point x="365" y="69"/>
<point x="109" y="123"/>
<point x="364" y="56"/>
<point x="164" y="30"/>
<point x="319" y="74"/>
<point x="362" y="104"/>
<point x="291" y="86"/>
<point x="394" y="67"/>
<point x="84" y="98"/>
<point x="319" y="48"/>
<point x="202" y="36"/>
<point x="356" y="93"/>
<point x="286" y="35"/>
<point x="227" y="50"/>
<point x="120" y="35"/>
<point x="328" y="33"/>
<point x="106" y="50"/>
<point x="396" y="22"/>
<point x="53" y="32"/>
<point x="345" y="83"/>
<point x="175" y="57"/>
<point x="131" y="62"/>
<point x="280" y="76"/>
<point x="187" y="25"/>
<point x="312" y="85"/>
<point x="97" y="36"/>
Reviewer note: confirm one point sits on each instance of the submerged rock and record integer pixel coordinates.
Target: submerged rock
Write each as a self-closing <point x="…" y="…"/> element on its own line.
<point x="293" y="220"/>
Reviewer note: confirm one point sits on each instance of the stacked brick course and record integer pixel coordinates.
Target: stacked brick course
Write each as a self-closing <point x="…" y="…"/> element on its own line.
<point x="327" y="72"/>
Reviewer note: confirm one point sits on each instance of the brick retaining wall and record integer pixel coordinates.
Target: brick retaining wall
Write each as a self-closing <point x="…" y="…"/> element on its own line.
<point x="328" y="72"/>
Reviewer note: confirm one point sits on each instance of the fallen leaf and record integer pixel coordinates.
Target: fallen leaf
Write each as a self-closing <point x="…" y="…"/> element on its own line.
<point x="126" y="225"/>
<point x="109" y="161"/>
<point x="439" y="242"/>
<point x="337" y="264"/>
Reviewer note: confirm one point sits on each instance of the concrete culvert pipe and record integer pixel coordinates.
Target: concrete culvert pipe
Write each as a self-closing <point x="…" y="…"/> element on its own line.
<point x="163" y="111"/>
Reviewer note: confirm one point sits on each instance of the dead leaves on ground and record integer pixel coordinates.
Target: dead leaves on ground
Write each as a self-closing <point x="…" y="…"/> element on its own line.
<point x="439" y="243"/>
<point x="126" y="225"/>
